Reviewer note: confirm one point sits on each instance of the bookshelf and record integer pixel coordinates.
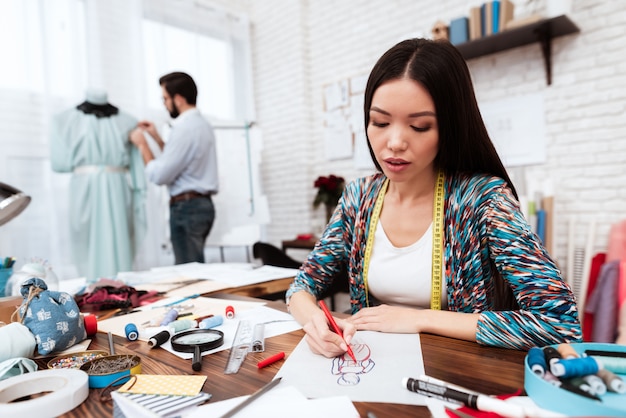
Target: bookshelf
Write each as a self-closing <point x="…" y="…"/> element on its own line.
<point x="541" y="31"/>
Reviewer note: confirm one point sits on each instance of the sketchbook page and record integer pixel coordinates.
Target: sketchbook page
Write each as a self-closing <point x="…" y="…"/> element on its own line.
<point x="383" y="360"/>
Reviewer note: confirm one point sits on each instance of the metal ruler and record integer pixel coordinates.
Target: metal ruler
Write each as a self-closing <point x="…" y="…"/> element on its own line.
<point x="241" y="345"/>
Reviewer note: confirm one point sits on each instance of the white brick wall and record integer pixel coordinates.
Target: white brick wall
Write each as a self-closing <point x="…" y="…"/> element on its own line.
<point x="299" y="46"/>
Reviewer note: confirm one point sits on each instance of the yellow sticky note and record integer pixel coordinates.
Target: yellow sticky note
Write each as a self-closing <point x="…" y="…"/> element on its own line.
<point x="157" y="384"/>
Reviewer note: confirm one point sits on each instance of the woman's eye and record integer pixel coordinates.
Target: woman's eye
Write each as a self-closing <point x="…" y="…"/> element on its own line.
<point x="379" y="124"/>
<point x="420" y="129"/>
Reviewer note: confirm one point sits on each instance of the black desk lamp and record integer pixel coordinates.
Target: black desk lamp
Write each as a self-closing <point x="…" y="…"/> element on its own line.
<point x="12" y="202"/>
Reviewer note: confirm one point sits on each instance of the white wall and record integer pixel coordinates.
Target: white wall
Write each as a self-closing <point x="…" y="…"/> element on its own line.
<point x="300" y="46"/>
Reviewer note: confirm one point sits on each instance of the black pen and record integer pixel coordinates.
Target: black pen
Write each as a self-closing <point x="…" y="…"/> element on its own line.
<point x="435" y="388"/>
<point x="251" y="398"/>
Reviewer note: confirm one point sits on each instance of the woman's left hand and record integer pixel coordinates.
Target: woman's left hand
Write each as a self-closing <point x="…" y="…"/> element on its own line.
<point x="385" y="318"/>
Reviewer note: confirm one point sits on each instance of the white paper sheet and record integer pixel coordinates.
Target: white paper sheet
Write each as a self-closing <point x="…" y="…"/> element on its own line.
<point x="276" y="323"/>
<point x="383" y="360"/>
<point x="200" y="306"/>
<point x="280" y="402"/>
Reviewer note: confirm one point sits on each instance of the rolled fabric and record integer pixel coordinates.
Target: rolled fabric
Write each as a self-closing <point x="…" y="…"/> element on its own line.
<point x="17" y="340"/>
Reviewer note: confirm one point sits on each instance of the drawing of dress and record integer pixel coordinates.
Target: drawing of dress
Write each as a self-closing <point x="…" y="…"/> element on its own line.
<point x="348" y="370"/>
<point x="107" y="189"/>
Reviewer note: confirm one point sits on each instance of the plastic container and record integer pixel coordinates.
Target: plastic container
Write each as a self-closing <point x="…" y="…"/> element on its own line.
<point x="553" y="398"/>
<point x="39" y="269"/>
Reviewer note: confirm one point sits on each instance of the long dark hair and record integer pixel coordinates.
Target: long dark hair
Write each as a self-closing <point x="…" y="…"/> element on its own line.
<point x="464" y="144"/>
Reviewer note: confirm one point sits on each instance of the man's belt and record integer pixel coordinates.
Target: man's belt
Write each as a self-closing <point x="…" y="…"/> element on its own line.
<point x="188" y="196"/>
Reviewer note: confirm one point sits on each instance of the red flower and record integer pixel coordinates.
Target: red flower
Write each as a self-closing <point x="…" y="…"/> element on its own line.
<point x="329" y="190"/>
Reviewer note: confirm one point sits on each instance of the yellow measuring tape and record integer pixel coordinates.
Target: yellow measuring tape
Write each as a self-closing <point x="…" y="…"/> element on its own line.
<point x="437" y="261"/>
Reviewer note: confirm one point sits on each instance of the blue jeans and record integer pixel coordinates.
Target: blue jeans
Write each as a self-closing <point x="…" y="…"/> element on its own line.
<point x="190" y="224"/>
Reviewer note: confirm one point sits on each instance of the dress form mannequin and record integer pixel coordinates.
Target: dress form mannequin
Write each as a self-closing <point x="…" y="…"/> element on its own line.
<point x="96" y="103"/>
<point x="107" y="217"/>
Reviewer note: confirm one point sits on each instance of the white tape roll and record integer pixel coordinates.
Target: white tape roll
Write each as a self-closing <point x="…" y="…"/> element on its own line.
<point x="67" y="389"/>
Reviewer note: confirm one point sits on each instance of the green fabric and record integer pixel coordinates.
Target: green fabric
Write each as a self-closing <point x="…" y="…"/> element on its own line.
<point x="107" y="212"/>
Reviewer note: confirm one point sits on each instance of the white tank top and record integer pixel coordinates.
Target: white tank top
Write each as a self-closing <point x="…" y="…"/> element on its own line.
<point x="402" y="275"/>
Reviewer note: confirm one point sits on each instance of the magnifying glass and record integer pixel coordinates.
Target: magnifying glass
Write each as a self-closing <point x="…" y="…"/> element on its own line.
<point x="197" y="341"/>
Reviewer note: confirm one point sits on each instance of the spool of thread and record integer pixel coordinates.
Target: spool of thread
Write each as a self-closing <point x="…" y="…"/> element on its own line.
<point x="158" y="339"/>
<point x="567" y="351"/>
<point x="537" y="361"/>
<point x="552" y="379"/>
<point x="614" y="364"/>
<point x="181" y="325"/>
<point x="575" y="367"/>
<point x="132" y="333"/>
<point x="580" y="384"/>
<point x="230" y="312"/>
<point x="596" y="383"/>
<point x="169" y="317"/>
<point x="551" y="355"/>
<point x="91" y="324"/>
<point x="613" y="382"/>
<point x="212" y="322"/>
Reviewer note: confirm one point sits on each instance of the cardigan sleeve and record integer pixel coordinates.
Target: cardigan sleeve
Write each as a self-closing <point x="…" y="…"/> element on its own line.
<point x="547" y="313"/>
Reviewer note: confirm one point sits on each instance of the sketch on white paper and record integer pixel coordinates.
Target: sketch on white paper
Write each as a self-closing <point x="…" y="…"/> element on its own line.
<point x="348" y="370"/>
<point x="383" y="360"/>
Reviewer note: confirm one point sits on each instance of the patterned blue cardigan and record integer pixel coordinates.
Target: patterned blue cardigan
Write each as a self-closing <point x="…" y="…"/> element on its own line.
<point x="483" y="227"/>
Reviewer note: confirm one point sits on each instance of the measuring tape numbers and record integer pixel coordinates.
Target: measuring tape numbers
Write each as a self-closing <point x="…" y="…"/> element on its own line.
<point x="437" y="255"/>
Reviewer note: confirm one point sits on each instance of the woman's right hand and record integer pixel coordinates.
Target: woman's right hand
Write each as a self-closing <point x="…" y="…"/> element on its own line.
<point x="322" y="340"/>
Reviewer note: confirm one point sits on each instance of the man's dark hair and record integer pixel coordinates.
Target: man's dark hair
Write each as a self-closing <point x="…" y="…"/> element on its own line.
<point x="180" y="83"/>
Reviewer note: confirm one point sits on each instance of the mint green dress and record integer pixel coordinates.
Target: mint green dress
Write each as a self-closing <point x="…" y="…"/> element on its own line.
<point x="107" y="212"/>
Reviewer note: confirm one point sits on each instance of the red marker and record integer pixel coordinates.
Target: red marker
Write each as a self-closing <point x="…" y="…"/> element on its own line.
<point x="335" y="327"/>
<point x="271" y="360"/>
<point x="230" y="312"/>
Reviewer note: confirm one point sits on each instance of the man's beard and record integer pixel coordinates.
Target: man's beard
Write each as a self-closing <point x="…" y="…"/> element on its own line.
<point x="174" y="113"/>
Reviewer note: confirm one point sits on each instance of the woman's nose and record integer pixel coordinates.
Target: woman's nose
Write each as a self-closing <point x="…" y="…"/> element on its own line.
<point x="396" y="140"/>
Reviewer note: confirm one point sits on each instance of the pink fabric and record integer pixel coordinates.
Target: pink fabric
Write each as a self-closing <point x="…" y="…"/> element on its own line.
<point x="617" y="242"/>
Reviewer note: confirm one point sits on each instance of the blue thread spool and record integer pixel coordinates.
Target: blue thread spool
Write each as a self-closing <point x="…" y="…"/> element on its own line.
<point x="132" y="333"/>
<point x="211" y="322"/>
<point x="537" y="361"/>
<point x="169" y="317"/>
<point x="575" y="367"/>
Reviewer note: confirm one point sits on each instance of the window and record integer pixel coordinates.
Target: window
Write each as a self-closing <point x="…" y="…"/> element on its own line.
<point x="214" y="52"/>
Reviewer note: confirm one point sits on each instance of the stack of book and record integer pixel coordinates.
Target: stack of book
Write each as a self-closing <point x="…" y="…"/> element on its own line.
<point x="487" y="19"/>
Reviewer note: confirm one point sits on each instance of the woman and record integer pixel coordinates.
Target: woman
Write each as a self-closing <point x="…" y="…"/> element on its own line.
<point x="435" y="242"/>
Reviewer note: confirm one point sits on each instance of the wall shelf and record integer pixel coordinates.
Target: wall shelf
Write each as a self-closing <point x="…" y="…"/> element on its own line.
<point x="542" y="31"/>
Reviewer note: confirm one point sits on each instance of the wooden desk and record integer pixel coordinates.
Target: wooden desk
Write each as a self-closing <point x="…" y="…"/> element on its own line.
<point x="488" y="370"/>
<point x="259" y="290"/>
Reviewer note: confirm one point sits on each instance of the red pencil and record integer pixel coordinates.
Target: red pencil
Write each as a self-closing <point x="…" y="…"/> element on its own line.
<point x="335" y="327"/>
